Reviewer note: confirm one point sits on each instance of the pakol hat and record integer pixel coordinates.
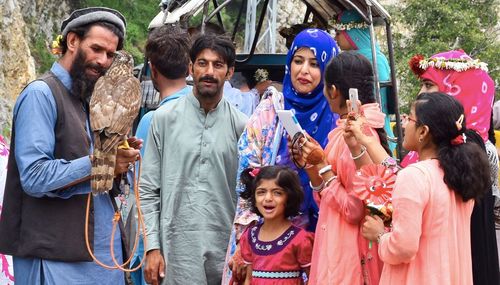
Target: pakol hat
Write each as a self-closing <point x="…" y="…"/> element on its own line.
<point x="90" y="15"/>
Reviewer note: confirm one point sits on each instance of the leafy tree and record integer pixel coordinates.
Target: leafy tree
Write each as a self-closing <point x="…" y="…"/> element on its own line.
<point x="430" y="26"/>
<point x="229" y="15"/>
<point x="138" y="14"/>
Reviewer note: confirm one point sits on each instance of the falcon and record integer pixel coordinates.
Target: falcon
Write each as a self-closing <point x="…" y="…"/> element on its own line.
<point x="114" y="105"/>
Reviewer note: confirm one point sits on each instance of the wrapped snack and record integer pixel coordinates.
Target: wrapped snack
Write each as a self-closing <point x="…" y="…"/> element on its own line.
<point x="384" y="211"/>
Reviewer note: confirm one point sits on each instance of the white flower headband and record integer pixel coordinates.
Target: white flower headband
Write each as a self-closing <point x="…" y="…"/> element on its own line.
<point x="457" y="64"/>
<point x="347" y="26"/>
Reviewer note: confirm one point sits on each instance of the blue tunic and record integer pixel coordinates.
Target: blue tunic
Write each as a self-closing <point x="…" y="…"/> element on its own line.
<point x="35" y="116"/>
<point x="246" y="102"/>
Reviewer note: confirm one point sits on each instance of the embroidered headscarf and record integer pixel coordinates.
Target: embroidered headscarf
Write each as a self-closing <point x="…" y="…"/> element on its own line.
<point x="359" y="39"/>
<point x="472" y="87"/>
<point x="312" y="109"/>
<point x="352" y="26"/>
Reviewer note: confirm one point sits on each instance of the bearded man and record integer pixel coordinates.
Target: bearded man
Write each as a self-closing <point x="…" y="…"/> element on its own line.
<point x="43" y="217"/>
<point x="189" y="173"/>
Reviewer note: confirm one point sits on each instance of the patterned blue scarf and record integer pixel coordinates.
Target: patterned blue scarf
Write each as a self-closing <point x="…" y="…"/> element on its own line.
<point x="312" y="110"/>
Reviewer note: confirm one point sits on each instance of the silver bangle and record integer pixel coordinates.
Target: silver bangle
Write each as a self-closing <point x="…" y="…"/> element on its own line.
<point x="325" y="169"/>
<point x="318" y="188"/>
<point x="327" y="183"/>
<point x="363" y="151"/>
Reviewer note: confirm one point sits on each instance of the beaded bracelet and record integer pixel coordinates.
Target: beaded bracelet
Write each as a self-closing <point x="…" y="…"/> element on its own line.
<point x="318" y="188"/>
<point x="363" y="151"/>
<point x="379" y="236"/>
<point x="389" y="162"/>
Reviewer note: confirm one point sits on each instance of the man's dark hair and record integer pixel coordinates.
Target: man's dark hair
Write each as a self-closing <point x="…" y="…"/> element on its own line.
<point x="167" y="50"/>
<point x="82" y="32"/>
<point x="219" y="44"/>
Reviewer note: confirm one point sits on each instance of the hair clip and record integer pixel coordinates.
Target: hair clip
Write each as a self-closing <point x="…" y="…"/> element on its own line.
<point x="460" y="139"/>
<point x="254" y="172"/>
<point x="459" y="122"/>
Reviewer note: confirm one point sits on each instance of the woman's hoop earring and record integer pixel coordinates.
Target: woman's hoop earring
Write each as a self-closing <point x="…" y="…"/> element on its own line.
<point x="420" y="140"/>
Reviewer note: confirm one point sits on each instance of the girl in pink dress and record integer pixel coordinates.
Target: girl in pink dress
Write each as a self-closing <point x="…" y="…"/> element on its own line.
<point x="433" y="199"/>
<point x="340" y="254"/>
<point x="275" y="251"/>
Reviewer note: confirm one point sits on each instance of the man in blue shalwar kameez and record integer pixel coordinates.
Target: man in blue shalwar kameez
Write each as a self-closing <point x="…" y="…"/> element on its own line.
<point x="47" y="186"/>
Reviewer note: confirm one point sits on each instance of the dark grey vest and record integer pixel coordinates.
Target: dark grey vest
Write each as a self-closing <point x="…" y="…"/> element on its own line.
<point x="49" y="228"/>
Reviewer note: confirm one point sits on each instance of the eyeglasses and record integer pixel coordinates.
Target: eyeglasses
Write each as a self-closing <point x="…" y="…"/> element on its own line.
<point x="411" y="119"/>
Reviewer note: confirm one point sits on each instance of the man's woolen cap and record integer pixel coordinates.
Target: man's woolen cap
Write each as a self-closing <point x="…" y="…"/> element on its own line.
<point x="91" y="15"/>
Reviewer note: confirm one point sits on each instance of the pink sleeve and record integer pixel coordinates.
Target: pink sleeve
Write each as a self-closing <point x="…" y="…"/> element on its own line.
<point x="304" y="252"/>
<point x="348" y="205"/>
<point x="246" y="251"/>
<point x="409" y="199"/>
<point x="336" y="195"/>
<point x="343" y="199"/>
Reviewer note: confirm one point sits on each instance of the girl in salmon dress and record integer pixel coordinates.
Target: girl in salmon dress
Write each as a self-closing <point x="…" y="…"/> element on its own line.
<point x="340" y="254"/>
<point x="275" y="251"/>
<point x="455" y="73"/>
<point x="433" y="198"/>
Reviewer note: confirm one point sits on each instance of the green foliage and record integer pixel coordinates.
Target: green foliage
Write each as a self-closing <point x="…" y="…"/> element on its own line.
<point x="41" y="53"/>
<point x="138" y="14"/>
<point x="429" y="26"/>
<point x="229" y="15"/>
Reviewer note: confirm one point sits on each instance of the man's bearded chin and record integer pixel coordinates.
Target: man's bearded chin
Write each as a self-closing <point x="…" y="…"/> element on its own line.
<point x="82" y="83"/>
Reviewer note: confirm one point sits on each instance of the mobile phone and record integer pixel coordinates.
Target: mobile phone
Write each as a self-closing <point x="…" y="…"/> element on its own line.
<point x="353" y="97"/>
<point x="290" y="122"/>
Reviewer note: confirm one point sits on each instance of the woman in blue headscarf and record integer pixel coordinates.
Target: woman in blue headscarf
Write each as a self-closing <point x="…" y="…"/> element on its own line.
<point x="265" y="143"/>
<point x="352" y="33"/>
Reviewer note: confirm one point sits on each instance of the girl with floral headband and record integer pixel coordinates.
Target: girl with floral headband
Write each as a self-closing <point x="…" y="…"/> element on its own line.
<point x="352" y="33"/>
<point x="433" y="199"/>
<point x="458" y="75"/>
<point x="275" y="251"/>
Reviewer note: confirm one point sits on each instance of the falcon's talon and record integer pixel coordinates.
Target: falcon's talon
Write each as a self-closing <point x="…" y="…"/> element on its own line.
<point x="124" y="145"/>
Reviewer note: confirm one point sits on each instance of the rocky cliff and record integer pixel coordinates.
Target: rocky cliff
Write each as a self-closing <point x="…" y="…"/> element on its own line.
<point x="22" y="24"/>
